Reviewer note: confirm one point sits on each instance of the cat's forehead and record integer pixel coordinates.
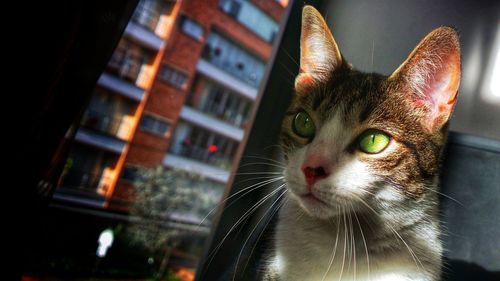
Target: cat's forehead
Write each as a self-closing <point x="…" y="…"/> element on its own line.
<point x="351" y="96"/>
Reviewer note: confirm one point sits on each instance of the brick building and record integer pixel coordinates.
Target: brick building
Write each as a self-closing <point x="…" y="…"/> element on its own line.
<point x="180" y="91"/>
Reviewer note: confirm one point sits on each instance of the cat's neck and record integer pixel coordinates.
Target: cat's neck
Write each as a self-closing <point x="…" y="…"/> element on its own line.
<point x="304" y="244"/>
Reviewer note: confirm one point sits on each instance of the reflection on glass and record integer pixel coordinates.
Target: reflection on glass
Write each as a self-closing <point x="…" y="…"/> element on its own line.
<point x="113" y="182"/>
<point x="219" y="102"/>
<point x="233" y="59"/>
<point x="200" y="144"/>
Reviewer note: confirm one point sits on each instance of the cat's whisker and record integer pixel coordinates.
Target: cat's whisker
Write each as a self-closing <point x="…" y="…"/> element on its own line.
<point x="257" y="173"/>
<point x="412" y="253"/>
<point x="364" y="242"/>
<point x="288" y="54"/>
<point x="334" y="249"/>
<point x="265" y="226"/>
<point x="353" y="241"/>
<point x="265" y="158"/>
<point x="345" y="243"/>
<point x="262" y="163"/>
<point x="256" y="178"/>
<point x="246" y="190"/>
<point x="444" y="195"/>
<point x="373" y="52"/>
<point x="349" y="240"/>
<point x="290" y="72"/>
<point x="240" y="220"/>
<point x="253" y="230"/>
<point x="366" y="204"/>
<point x="279" y="146"/>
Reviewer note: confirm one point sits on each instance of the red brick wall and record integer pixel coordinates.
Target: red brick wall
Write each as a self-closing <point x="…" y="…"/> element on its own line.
<point x="208" y="14"/>
<point x="147" y="149"/>
<point x="270" y="7"/>
<point x="183" y="52"/>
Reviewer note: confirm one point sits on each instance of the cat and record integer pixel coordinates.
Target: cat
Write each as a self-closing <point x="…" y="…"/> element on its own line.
<point x="362" y="156"/>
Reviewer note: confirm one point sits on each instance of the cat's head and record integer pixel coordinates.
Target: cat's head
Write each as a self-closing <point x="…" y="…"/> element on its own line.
<point x="352" y="139"/>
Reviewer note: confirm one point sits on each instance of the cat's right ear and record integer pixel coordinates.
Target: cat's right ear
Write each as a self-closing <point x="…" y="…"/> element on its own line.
<point x="319" y="53"/>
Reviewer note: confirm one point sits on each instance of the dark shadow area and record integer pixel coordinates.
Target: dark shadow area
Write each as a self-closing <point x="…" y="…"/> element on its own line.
<point x="469" y="207"/>
<point x="68" y="46"/>
<point x="457" y="270"/>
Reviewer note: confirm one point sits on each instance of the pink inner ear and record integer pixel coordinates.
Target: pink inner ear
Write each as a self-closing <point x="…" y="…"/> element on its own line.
<point x="304" y="80"/>
<point x="439" y="94"/>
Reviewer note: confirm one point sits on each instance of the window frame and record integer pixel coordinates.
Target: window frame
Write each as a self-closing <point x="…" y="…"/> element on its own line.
<point x="157" y="118"/>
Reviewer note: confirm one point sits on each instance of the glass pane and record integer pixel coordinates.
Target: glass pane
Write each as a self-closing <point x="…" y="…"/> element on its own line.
<point x="153" y="153"/>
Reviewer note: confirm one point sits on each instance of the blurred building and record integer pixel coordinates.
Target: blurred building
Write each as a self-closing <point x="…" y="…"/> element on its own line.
<point x="180" y="90"/>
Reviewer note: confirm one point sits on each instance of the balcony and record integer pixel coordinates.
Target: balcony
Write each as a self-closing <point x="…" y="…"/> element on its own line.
<point x="120" y="86"/>
<point x="204" y="170"/>
<point x="79" y="197"/>
<point x="212" y="124"/>
<point x="143" y="36"/>
<point x="84" y="187"/>
<point x="234" y="60"/>
<point x="225" y="79"/>
<point x="116" y="126"/>
<point x="87" y="181"/>
<point x="217" y="101"/>
<point x="147" y="13"/>
<point x="96" y="139"/>
<point x="259" y="23"/>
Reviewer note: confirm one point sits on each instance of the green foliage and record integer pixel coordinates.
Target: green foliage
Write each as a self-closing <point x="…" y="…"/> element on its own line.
<point x="163" y="195"/>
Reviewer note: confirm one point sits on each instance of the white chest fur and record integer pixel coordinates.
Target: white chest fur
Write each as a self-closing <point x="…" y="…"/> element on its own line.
<point x="309" y="249"/>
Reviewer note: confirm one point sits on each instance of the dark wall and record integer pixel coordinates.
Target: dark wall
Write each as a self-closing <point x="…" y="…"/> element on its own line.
<point x="392" y="28"/>
<point x="470" y="210"/>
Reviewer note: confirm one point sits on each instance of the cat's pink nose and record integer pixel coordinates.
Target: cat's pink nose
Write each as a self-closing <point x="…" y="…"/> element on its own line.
<point x="314" y="174"/>
<point x="315" y="168"/>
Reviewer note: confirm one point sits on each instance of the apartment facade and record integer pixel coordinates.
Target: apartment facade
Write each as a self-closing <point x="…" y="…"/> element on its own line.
<point x="179" y="91"/>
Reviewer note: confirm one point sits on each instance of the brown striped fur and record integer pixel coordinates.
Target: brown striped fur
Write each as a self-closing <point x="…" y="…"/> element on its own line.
<point x="394" y="191"/>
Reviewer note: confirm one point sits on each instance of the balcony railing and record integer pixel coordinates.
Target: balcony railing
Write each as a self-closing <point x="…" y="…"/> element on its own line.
<point x="202" y="154"/>
<point x="118" y="126"/>
<point x="125" y="67"/>
<point x="244" y="68"/>
<point x="226" y="107"/>
<point x="148" y="13"/>
<point x="86" y="181"/>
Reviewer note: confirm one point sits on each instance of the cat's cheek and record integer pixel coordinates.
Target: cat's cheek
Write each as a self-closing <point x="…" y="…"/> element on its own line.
<point x="293" y="175"/>
<point x="353" y="179"/>
<point x="388" y="194"/>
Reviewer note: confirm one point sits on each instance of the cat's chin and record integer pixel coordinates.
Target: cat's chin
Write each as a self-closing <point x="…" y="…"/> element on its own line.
<point x="316" y="207"/>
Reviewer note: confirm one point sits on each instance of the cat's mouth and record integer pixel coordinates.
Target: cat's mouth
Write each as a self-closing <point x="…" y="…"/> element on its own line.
<point x="310" y="198"/>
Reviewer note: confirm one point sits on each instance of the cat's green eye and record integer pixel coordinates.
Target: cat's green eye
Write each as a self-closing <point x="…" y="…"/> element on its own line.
<point x="303" y="125"/>
<point x="373" y="141"/>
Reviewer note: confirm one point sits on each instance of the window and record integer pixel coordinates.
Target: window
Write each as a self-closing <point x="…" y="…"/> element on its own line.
<point x="130" y="173"/>
<point x="173" y="77"/>
<point x="85" y="169"/>
<point x="148" y="13"/>
<point x="108" y="113"/>
<point x="219" y="102"/>
<point x="251" y="17"/>
<point x="128" y="59"/>
<point x="233" y="59"/>
<point x="191" y="28"/>
<point x="154" y="125"/>
<point x="203" y="145"/>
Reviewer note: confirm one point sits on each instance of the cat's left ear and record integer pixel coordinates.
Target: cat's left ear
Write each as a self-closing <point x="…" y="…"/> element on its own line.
<point x="432" y="73"/>
<point x="319" y="53"/>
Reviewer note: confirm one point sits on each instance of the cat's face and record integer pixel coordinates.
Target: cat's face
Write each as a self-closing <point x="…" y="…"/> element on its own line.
<point x="355" y="140"/>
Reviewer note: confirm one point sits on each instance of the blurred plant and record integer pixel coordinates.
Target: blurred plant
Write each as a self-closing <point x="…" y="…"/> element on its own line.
<point x="163" y="196"/>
